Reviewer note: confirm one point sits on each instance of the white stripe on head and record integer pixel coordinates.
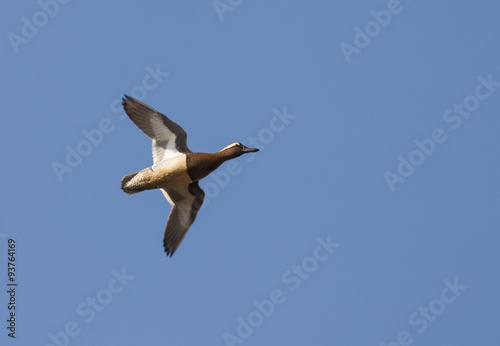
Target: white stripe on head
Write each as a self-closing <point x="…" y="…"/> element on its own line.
<point x="231" y="145"/>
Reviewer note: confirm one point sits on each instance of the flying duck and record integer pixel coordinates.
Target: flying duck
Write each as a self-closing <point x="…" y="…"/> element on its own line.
<point x="176" y="170"/>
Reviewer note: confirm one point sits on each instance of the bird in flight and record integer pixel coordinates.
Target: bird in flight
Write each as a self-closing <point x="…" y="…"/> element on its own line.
<point x="176" y="170"/>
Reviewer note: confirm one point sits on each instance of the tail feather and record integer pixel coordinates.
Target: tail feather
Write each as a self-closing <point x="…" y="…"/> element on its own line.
<point x="126" y="188"/>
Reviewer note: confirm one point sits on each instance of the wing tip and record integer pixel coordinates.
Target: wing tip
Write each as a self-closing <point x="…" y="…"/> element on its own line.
<point x="169" y="252"/>
<point x="126" y="99"/>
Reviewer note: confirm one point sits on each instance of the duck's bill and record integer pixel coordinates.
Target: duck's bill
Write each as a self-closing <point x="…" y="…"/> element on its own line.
<point x="249" y="150"/>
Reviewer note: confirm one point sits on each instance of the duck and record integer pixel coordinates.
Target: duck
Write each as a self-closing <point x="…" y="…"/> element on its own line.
<point x="176" y="170"/>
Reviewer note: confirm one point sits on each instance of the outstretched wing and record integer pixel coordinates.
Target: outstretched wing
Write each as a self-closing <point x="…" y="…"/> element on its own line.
<point x="186" y="200"/>
<point x="169" y="139"/>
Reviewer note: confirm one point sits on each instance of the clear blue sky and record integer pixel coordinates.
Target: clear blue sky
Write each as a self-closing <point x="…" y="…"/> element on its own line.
<point x="369" y="217"/>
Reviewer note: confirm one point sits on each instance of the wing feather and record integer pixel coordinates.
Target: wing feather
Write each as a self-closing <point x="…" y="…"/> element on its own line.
<point x="169" y="139"/>
<point x="186" y="200"/>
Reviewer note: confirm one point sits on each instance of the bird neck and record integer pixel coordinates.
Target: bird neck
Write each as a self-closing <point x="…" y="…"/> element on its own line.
<point x="228" y="154"/>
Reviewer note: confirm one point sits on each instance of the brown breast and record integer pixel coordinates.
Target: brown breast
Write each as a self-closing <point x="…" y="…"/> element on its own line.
<point x="199" y="165"/>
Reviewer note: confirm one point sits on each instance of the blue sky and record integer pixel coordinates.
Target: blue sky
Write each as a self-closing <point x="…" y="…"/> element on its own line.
<point x="369" y="217"/>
